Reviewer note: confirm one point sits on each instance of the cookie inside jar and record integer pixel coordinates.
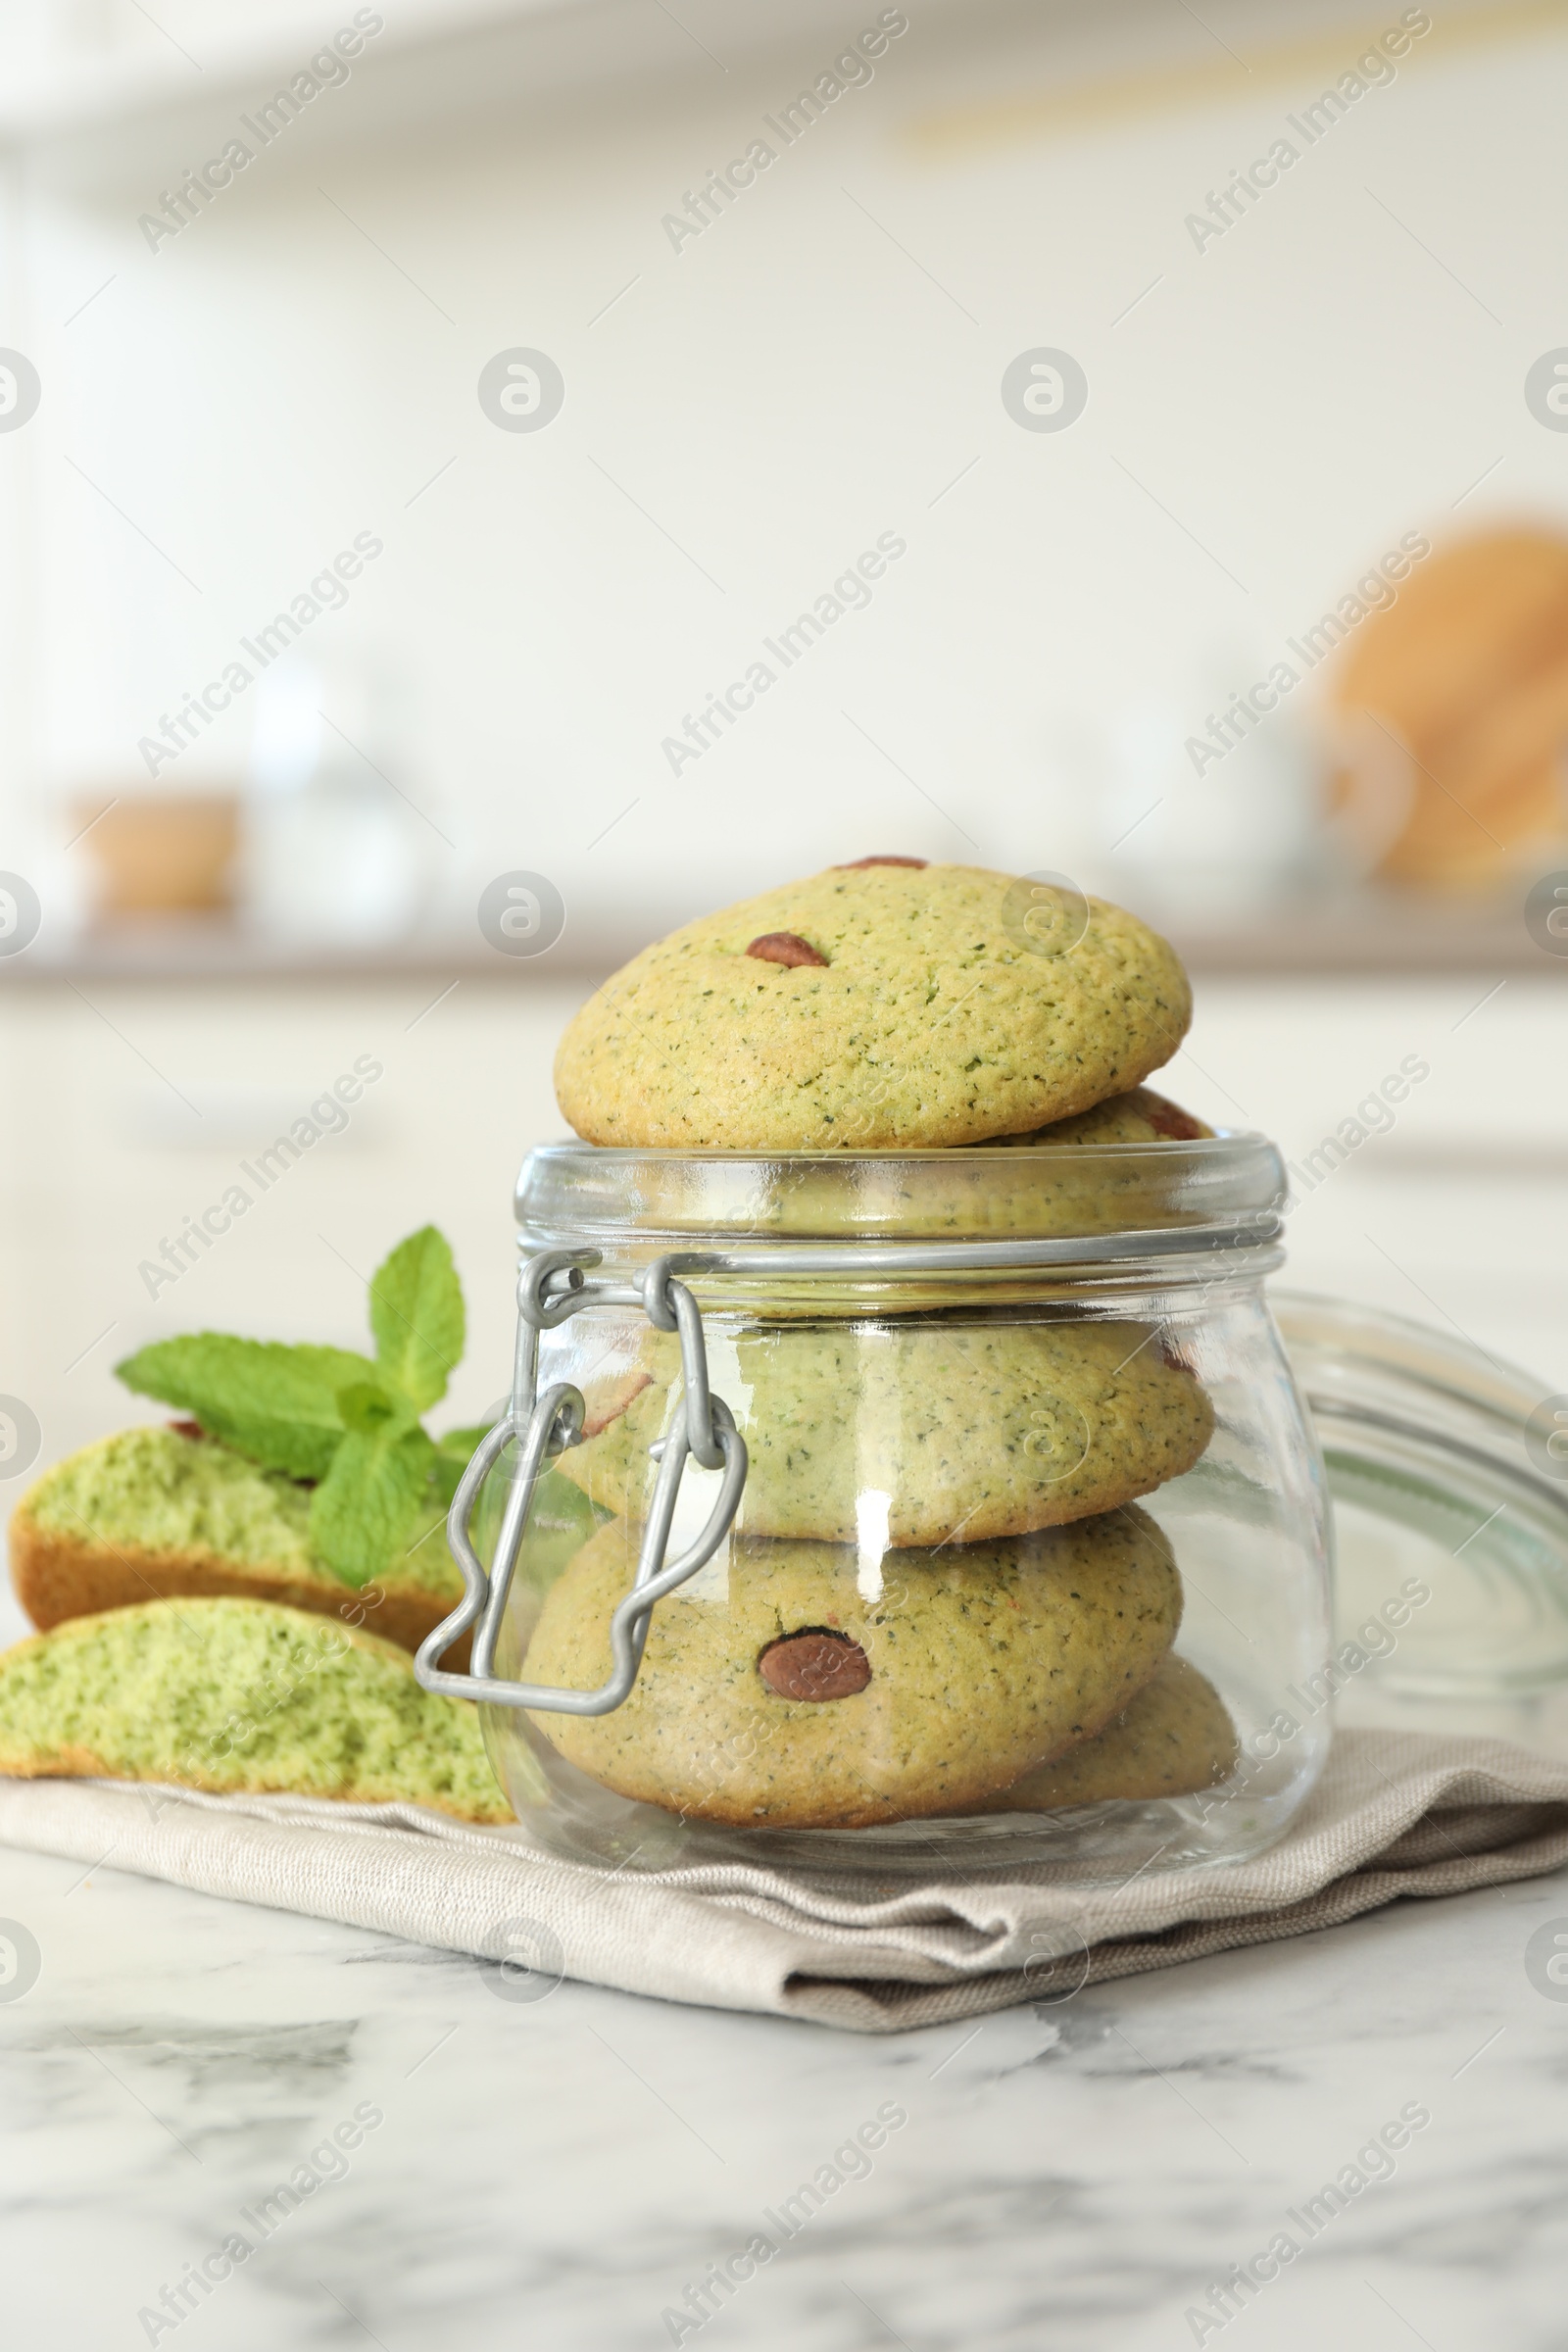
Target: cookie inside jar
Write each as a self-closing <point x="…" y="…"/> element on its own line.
<point x="926" y="1687"/>
<point x="967" y="1431"/>
<point x="937" y="1585"/>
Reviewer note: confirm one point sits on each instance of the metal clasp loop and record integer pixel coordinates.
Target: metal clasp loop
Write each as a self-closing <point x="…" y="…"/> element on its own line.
<point x="669" y="1306"/>
<point x="552" y="1287"/>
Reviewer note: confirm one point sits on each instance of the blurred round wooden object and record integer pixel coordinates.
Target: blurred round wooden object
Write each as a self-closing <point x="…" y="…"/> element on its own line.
<point x="1453" y="712"/>
<point x="169" y="854"/>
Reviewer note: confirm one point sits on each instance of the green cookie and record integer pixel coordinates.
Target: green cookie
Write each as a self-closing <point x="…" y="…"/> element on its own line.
<point x="961" y="1669"/>
<point x="1173" y="1737"/>
<point x="914" y="1433"/>
<point x="1139" y="1117"/>
<point x="890" y="1006"/>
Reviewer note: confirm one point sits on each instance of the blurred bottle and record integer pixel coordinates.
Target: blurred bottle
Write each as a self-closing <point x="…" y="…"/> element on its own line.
<point x="333" y="853"/>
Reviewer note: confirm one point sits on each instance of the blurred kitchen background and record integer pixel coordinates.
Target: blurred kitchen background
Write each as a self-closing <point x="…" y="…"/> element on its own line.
<point x="405" y="438"/>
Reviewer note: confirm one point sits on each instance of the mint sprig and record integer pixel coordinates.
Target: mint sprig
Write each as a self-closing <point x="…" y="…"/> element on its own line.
<point x="417" y="1316"/>
<point x="277" y="1404"/>
<point x="334" y="1417"/>
<point x="453" y="1454"/>
<point x="362" y="1512"/>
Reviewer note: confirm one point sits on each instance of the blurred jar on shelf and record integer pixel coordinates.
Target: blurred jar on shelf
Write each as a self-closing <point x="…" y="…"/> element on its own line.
<point x="1205" y="802"/>
<point x="153" y="854"/>
<point x="335" y="850"/>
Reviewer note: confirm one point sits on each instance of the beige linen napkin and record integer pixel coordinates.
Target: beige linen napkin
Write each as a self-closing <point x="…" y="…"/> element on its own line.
<point x="1396" y="1813"/>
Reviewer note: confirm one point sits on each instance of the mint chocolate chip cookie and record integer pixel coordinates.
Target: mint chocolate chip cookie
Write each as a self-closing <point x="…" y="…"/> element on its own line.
<point x="867" y="1008"/>
<point x="1173" y="1737"/>
<point x="808" y="1685"/>
<point x="1140" y="1116"/>
<point x="922" y="1432"/>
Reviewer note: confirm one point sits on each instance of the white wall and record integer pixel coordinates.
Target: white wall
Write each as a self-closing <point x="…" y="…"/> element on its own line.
<point x="783" y="389"/>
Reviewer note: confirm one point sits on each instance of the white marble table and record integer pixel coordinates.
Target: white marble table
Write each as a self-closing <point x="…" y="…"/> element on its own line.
<point x="554" y="2173"/>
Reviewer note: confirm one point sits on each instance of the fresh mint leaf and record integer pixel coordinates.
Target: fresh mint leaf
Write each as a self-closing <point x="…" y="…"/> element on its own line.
<point x="417" y="1316"/>
<point x="559" y="1524"/>
<point x="370" y="1409"/>
<point x="563" y="1511"/>
<point x="362" y="1512"/>
<point x="453" y="1454"/>
<point x="276" y="1403"/>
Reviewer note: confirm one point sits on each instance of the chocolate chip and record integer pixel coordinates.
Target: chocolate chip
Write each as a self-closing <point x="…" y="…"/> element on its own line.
<point x="784" y="947"/>
<point x="187" y="1429"/>
<point x="856" y="863"/>
<point x="1169" y="1120"/>
<point x="815" y="1664"/>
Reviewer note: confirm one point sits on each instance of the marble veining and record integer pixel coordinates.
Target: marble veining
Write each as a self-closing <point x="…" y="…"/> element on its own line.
<point x="566" y="2172"/>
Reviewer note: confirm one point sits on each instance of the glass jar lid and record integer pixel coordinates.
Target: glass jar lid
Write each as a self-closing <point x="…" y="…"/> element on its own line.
<point x="1222" y="1189"/>
<point x="1439" y="1480"/>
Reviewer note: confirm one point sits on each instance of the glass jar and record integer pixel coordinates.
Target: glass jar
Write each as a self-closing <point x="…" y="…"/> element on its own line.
<point x="1448" y="1474"/>
<point x="890" y="1512"/>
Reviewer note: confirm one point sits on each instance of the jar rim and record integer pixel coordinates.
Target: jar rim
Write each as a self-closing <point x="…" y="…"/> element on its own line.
<point x="1231" y="1186"/>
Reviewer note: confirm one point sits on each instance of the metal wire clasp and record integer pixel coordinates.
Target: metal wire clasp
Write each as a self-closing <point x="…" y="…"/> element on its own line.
<point x="551" y="1286"/>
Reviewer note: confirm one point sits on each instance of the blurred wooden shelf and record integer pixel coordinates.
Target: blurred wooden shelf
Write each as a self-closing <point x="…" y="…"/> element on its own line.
<point x="1387" y="933"/>
<point x="199" y="948"/>
<point x="1388" y="936"/>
